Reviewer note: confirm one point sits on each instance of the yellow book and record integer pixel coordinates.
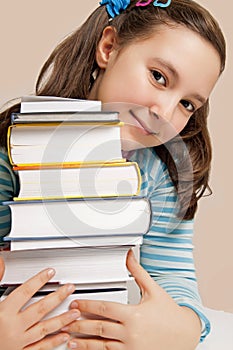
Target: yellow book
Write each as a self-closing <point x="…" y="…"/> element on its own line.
<point x="78" y="180"/>
<point x="46" y="143"/>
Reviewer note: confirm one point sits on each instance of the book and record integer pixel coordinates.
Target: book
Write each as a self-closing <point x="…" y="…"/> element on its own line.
<point x="49" y="243"/>
<point x="85" y="265"/>
<point x="56" y="117"/>
<point x="79" y="180"/>
<point x="64" y="143"/>
<point x="79" y="217"/>
<point x="115" y="293"/>
<point x="45" y="104"/>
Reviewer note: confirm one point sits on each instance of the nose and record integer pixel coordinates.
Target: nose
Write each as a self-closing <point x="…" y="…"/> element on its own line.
<point x="164" y="109"/>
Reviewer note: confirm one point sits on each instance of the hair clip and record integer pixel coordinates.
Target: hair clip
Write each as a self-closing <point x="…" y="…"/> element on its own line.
<point x="115" y="7"/>
<point x="155" y="3"/>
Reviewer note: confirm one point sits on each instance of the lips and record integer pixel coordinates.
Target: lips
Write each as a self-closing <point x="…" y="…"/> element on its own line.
<point x="142" y="125"/>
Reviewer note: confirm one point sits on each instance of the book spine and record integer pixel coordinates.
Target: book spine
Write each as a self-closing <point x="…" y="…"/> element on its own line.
<point x="9" y="130"/>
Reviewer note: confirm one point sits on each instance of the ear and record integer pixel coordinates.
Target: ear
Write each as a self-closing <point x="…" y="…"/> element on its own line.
<point x="106" y="46"/>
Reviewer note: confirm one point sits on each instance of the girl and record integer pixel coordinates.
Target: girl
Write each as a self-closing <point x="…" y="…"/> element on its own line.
<point x="157" y="62"/>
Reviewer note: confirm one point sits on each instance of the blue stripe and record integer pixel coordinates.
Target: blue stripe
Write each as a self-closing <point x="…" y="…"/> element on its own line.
<point x="6" y="183"/>
<point x="163" y="198"/>
<point x="5" y="225"/>
<point x="4" y="212"/>
<point x="167" y="258"/>
<point x="167" y="230"/>
<point x="167" y="210"/>
<point x="169" y="239"/>
<point x="172" y="248"/>
<point x="165" y="269"/>
<point x="4" y="157"/>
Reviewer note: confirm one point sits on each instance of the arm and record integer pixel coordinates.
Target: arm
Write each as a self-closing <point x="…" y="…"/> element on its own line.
<point x="8" y="189"/>
<point x="167" y="252"/>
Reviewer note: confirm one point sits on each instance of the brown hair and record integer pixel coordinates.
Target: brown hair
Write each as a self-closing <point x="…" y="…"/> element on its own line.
<point x="68" y="73"/>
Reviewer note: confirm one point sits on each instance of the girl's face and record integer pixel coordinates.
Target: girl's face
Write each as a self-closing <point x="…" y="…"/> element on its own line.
<point x="156" y="84"/>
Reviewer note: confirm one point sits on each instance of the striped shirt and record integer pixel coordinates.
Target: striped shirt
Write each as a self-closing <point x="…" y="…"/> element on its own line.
<point x="167" y="249"/>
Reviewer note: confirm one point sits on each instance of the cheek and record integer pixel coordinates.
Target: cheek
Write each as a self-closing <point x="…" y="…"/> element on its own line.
<point x="123" y="87"/>
<point x="181" y="124"/>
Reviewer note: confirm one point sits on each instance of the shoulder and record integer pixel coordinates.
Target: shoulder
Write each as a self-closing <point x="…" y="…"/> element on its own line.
<point x="8" y="178"/>
<point x="153" y="171"/>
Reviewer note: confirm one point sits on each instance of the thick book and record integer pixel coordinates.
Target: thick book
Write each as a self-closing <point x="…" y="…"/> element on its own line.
<point x="72" y="265"/>
<point x="79" y="217"/>
<point x="113" y="292"/>
<point x="60" y="117"/>
<point x="79" y="180"/>
<point x="49" y="243"/>
<point x="45" y="104"/>
<point x="64" y="143"/>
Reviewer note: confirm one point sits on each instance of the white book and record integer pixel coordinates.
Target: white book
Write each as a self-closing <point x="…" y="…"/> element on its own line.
<point x="60" y="117"/>
<point x="117" y="292"/>
<point x="75" y="242"/>
<point x="64" y="143"/>
<point x="34" y="104"/>
<point x="72" y="265"/>
<point x="79" y="217"/>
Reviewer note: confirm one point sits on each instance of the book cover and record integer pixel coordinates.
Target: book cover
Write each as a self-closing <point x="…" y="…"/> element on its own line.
<point x="60" y="117"/>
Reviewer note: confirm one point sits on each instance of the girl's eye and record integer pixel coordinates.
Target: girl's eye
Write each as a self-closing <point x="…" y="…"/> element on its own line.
<point x="159" y="77"/>
<point x="188" y="105"/>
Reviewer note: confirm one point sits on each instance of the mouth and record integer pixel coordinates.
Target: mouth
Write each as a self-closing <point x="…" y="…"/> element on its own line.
<point x="141" y="125"/>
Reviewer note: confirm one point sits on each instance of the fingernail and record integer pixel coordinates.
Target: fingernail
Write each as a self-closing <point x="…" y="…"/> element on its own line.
<point x="65" y="338"/>
<point x="74" y="314"/>
<point x="73" y="345"/>
<point x="65" y="329"/>
<point x="70" y="288"/>
<point x="131" y="255"/>
<point x="74" y="305"/>
<point x="51" y="272"/>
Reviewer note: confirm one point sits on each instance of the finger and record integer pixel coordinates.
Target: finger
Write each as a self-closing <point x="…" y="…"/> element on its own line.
<point x="142" y="278"/>
<point x="35" y="312"/>
<point x="95" y="344"/>
<point x="101" y="328"/>
<point x="47" y="327"/>
<point x="19" y="297"/>
<point x="49" y="342"/>
<point x="107" y="309"/>
<point x="2" y="268"/>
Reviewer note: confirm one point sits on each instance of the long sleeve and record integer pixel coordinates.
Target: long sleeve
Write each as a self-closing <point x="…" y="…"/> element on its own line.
<point x="8" y="189"/>
<point x="167" y="250"/>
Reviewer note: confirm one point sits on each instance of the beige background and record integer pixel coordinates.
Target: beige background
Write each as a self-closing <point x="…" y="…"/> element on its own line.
<point x="28" y="32"/>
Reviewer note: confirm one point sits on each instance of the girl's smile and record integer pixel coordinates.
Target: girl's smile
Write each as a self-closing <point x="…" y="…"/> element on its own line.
<point x="156" y="83"/>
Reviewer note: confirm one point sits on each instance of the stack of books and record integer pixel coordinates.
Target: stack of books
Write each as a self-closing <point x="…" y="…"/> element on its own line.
<point x="78" y="208"/>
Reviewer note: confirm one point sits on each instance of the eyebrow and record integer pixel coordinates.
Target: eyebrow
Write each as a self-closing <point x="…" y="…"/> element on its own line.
<point x="174" y="72"/>
<point x="168" y="66"/>
<point x="201" y="99"/>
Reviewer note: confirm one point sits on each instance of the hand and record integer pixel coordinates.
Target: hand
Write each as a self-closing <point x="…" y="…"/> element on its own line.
<point x="156" y="323"/>
<point x="22" y="329"/>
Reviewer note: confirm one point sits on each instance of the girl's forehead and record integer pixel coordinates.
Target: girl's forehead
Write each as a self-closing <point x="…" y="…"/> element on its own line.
<point x="172" y="37"/>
